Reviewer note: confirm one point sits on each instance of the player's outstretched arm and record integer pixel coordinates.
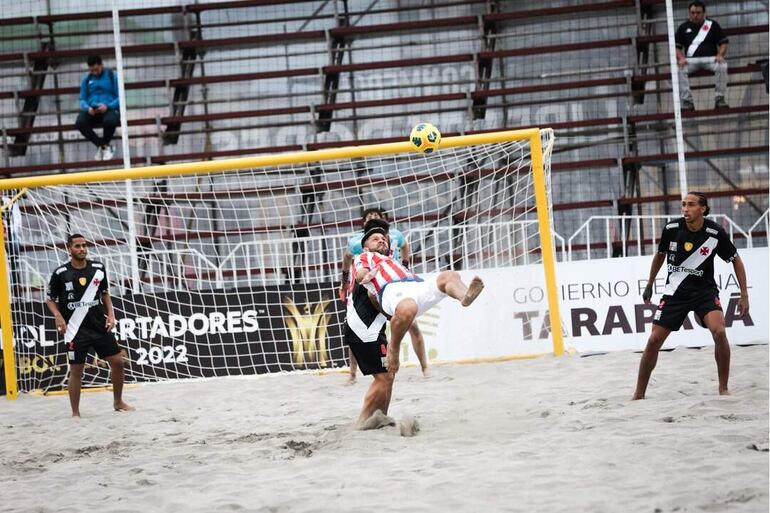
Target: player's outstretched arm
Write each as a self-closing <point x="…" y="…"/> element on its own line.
<point x="657" y="263"/>
<point x="740" y="274"/>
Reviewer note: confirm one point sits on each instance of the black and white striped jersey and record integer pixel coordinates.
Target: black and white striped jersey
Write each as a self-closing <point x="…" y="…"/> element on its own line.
<point x="78" y="293"/>
<point x="690" y="256"/>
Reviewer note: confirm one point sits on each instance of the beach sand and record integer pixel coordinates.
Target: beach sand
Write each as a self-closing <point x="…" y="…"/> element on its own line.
<point x="531" y="435"/>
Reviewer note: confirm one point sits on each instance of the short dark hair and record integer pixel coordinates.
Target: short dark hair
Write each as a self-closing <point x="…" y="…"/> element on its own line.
<point x="374" y="226"/>
<point x="94" y="59"/>
<point x="71" y="237"/>
<point x="697" y="3"/>
<point x="373" y="210"/>
<point x="702" y="201"/>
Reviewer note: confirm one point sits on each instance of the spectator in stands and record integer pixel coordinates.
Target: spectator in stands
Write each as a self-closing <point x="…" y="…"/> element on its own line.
<point x="701" y="44"/>
<point x="99" y="103"/>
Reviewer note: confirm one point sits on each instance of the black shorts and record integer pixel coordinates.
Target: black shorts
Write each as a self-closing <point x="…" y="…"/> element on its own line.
<point x="77" y="350"/>
<point x="369" y="355"/>
<point x="673" y="310"/>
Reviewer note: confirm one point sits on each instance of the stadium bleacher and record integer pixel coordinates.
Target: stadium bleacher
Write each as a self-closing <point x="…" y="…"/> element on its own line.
<point x="210" y="73"/>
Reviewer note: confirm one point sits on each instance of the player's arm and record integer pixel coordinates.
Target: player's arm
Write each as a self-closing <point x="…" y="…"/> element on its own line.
<point x="364" y="270"/>
<point x="657" y="263"/>
<point x="53" y="307"/>
<point x="740" y="274"/>
<point x="54" y="291"/>
<point x="347" y="261"/>
<point x="405" y="253"/>
<point x="109" y="323"/>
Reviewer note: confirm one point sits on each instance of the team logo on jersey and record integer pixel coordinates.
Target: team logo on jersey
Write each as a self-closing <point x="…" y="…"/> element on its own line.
<point x="68" y="286"/>
<point x="82" y="282"/>
<point x="688" y="246"/>
<point x="672" y="246"/>
<point x="704" y="251"/>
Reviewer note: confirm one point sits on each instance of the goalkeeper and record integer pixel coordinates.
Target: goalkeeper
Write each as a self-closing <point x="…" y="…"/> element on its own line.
<point x="400" y="295"/>
<point x="399" y="248"/>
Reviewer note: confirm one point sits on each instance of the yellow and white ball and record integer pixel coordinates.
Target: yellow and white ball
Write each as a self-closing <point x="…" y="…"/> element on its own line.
<point x="425" y="138"/>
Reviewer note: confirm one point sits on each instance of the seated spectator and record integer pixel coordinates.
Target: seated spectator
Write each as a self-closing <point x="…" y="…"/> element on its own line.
<point x="99" y="103"/>
<point x="701" y="44"/>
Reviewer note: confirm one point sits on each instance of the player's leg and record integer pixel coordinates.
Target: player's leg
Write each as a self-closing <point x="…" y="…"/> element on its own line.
<point x="418" y="342"/>
<point x="108" y="349"/>
<point x="668" y="317"/>
<point x="73" y="386"/>
<point x="649" y="359"/>
<point x="403" y="317"/>
<point x="353" y="367"/>
<point x="376" y="398"/>
<point x="118" y="377"/>
<point x="715" y="322"/>
<point x="450" y="283"/>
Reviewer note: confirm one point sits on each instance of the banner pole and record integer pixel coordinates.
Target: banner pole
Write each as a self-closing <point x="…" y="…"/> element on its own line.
<point x="674" y="66"/>
<point x="126" y="151"/>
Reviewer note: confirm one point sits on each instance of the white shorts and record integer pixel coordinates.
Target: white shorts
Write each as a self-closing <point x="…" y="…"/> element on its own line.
<point x="425" y="293"/>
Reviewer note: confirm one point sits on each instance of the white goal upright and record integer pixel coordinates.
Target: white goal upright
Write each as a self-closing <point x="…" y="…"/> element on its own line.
<point x="232" y="267"/>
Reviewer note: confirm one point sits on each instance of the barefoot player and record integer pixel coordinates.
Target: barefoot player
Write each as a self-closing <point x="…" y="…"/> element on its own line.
<point x="402" y="296"/>
<point x="79" y="299"/>
<point x="399" y="250"/>
<point x="689" y="245"/>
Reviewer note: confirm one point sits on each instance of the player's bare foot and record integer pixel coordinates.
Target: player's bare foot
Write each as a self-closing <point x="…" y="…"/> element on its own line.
<point x="376" y="421"/>
<point x="724" y="391"/>
<point x="351" y="380"/>
<point x="474" y="289"/>
<point x="76" y="414"/>
<point x="123" y="406"/>
<point x="426" y="372"/>
<point x="637" y="397"/>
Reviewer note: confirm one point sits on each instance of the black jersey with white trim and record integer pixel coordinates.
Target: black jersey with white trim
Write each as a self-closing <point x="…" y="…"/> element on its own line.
<point x="366" y="321"/>
<point x="690" y="256"/>
<point x="78" y="293"/>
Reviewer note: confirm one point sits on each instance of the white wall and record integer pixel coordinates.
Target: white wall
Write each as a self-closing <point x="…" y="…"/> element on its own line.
<point x="601" y="308"/>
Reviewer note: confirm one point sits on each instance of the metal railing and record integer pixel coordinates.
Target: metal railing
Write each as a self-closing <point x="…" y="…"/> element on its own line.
<point x="639" y="231"/>
<point x="317" y="259"/>
<point x="764" y="219"/>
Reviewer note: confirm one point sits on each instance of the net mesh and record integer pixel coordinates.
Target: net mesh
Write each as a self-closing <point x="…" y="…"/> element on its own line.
<point x="237" y="272"/>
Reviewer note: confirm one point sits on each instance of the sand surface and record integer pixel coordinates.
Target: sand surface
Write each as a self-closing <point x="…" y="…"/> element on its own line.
<point x="532" y="435"/>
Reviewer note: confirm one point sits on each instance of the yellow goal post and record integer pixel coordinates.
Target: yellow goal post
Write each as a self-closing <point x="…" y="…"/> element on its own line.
<point x="516" y="160"/>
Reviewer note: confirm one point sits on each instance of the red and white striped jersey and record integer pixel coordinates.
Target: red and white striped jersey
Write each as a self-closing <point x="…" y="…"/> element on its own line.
<point x="388" y="271"/>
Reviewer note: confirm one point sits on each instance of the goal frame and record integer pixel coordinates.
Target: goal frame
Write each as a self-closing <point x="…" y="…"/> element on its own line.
<point x="531" y="135"/>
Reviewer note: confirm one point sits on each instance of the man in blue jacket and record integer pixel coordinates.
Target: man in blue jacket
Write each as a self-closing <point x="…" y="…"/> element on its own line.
<point x="99" y="103"/>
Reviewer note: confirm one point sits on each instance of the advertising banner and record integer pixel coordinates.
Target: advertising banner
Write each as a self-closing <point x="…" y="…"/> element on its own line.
<point x="214" y="333"/>
<point x="601" y="309"/>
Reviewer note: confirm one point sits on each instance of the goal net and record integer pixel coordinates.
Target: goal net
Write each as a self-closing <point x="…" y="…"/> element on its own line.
<point x="232" y="267"/>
